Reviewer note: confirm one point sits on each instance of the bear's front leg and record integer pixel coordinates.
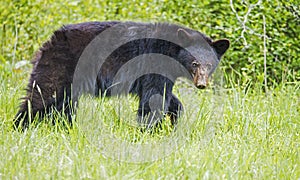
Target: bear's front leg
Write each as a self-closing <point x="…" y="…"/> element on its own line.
<point x="174" y="110"/>
<point x="152" y="108"/>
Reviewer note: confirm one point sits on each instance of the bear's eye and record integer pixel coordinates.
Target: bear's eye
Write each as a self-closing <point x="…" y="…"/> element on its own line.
<point x="194" y="64"/>
<point x="209" y="66"/>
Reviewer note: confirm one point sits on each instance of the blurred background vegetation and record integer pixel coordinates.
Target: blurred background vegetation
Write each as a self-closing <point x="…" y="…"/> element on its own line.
<point x="259" y="31"/>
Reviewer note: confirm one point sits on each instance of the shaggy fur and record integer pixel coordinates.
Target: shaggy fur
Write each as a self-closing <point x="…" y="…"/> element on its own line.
<point x="54" y="65"/>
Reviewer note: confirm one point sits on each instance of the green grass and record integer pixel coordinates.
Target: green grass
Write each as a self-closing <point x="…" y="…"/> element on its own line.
<point x="230" y="133"/>
<point x="234" y="134"/>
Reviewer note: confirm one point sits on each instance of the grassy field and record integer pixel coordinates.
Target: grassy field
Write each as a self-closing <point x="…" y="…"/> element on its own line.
<point x="233" y="134"/>
<point x="225" y="133"/>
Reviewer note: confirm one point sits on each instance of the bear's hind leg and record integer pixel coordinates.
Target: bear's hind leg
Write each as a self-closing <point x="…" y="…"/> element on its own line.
<point x="40" y="103"/>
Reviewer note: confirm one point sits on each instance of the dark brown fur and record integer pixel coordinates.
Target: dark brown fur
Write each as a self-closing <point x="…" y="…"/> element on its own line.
<point x="50" y="81"/>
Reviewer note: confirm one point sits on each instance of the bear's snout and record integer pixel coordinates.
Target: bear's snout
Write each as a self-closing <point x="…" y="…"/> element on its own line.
<point x="201" y="83"/>
<point x="201" y="79"/>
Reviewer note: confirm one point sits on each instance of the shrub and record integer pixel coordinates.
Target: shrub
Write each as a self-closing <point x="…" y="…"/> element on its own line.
<point x="26" y="24"/>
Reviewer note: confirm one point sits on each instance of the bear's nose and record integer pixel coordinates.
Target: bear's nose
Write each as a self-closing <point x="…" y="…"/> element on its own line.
<point x="201" y="86"/>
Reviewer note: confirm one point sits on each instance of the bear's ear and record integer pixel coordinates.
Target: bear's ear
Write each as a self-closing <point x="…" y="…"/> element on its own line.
<point x="184" y="36"/>
<point x="221" y="46"/>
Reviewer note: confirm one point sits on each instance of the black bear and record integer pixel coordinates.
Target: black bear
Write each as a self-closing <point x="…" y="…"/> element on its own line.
<point x="50" y="84"/>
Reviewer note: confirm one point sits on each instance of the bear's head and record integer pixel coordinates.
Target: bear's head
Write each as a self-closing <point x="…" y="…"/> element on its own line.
<point x="200" y="55"/>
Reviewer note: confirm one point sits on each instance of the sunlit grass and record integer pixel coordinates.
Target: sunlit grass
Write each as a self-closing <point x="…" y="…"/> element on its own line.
<point x="234" y="135"/>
